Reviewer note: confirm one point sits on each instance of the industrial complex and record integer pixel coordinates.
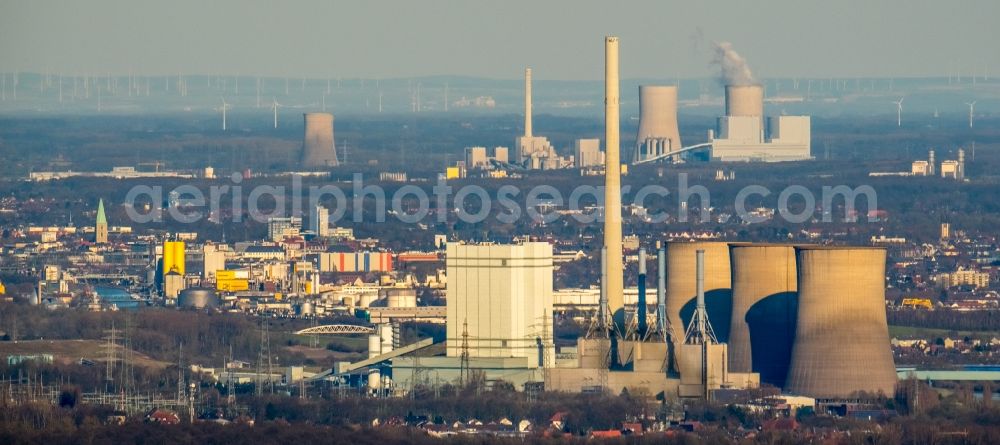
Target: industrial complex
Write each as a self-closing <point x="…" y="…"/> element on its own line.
<point x="727" y="316"/>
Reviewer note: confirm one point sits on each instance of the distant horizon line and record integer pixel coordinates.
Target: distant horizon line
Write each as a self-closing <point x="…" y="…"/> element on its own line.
<point x="460" y="77"/>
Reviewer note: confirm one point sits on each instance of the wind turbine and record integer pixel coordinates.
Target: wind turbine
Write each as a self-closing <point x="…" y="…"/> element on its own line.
<point x="899" y="112"/>
<point x="258" y="91"/>
<point x="972" y="109"/>
<point x="274" y="108"/>
<point x="225" y="106"/>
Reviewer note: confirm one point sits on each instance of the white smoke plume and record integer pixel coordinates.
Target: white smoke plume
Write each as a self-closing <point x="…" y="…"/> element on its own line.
<point x="735" y="70"/>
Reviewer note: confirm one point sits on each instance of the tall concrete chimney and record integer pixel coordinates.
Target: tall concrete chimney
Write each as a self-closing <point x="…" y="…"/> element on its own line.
<point x="612" y="185"/>
<point x="527" y="102"/>
<point x="318" y="149"/>
<point x="602" y="304"/>
<point x="661" y="290"/>
<point x="641" y="309"/>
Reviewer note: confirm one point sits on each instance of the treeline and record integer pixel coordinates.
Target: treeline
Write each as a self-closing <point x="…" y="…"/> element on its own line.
<point x="946" y="319"/>
<point x="206" y="336"/>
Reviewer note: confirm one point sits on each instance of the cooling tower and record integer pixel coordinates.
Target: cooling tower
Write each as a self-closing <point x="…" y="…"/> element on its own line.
<point x="682" y="292"/>
<point x="612" y="185"/>
<point x="842" y="339"/>
<point x="744" y="100"/>
<point x="657" y="120"/>
<point x="317" y="145"/>
<point x="763" y="321"/>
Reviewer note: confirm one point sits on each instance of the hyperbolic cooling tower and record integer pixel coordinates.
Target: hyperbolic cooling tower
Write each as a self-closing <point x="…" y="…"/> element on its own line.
<point x="842" y="338"/>
<point x="763" y="321"/>
<point x="744" y="100"/>
<point x="682" y="287"/>
<point x="658" y="131"/>
<point x="318" y="149"/>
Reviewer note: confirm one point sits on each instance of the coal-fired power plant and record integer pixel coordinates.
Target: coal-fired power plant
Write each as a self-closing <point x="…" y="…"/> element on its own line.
<point x="763" y="322"/>
<point x="318" y="149"/>
<point x="745" y="134"/>
<point x="681" y="287"/>
<point x="658" y="133"/>
<point x="841" y="335"/>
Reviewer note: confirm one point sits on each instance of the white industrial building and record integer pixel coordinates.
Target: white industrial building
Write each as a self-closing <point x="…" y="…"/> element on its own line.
<point x="500" y="302"/>
<point x="742" y="136"/>
<point x="477" y="158"/>
<point x="587" y="153"/>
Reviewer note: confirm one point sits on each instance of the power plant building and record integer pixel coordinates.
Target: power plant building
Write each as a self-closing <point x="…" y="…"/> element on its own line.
<point x="741" y="135"/>
<point x="587" y="153"/>
<point x="841" y="335"/>
<point x="318" y="149"/>
<point x="500" y="301"/>
<point x="477" y="157"/>
<point x="214" y="259"/>
<point x="658" y="133"/>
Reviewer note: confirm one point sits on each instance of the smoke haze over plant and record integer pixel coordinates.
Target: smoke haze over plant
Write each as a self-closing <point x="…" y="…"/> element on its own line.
<point x="734" y="68"/>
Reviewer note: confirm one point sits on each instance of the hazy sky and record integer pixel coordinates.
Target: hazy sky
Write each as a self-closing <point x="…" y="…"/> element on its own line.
<point x="559" y="39"/>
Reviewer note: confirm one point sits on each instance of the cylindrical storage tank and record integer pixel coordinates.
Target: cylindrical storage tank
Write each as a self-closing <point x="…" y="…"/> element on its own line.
<point x="762" y="327"/>
<point x="318" y="149"/>
<point x="385" y="337"/>
<point x="304" y="308"/>
<point x="197" y="298"/>
<point x="841" y="335"/>
<point x="658" y="115"/>
<point x="744" y="100"/>
<point x="401" y="298"/>
<point x="374" y="345"/>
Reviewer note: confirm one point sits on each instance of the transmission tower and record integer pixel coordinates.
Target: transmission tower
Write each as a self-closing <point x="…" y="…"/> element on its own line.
<point x="110" y="356"/>
<point x="464" y="376"/>
<point x="180" y="375"/>
<point x="264" y="358"/>
<point x="230" y="389"/>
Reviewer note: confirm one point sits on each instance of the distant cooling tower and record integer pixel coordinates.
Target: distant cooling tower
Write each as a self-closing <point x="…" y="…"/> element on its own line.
<point x="744" y="100"/>
<point x="842" y="338"/>
<point x="764" y="307"/>
<point x="318" y="149"/>
<point x="682" y="292"/>
<point x="658" y="131"/>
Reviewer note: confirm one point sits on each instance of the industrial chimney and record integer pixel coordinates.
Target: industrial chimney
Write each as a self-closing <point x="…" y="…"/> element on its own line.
<point x="762" y="328"/>
<point x="641" y="307"/>
<point x="744" y="100"/>
<point x="658" y="133"/>
<point x="318" y="149"/>
<point x="612" y="183"/>
<point x="841" y="335"/>
<point x="527" y="102"/>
